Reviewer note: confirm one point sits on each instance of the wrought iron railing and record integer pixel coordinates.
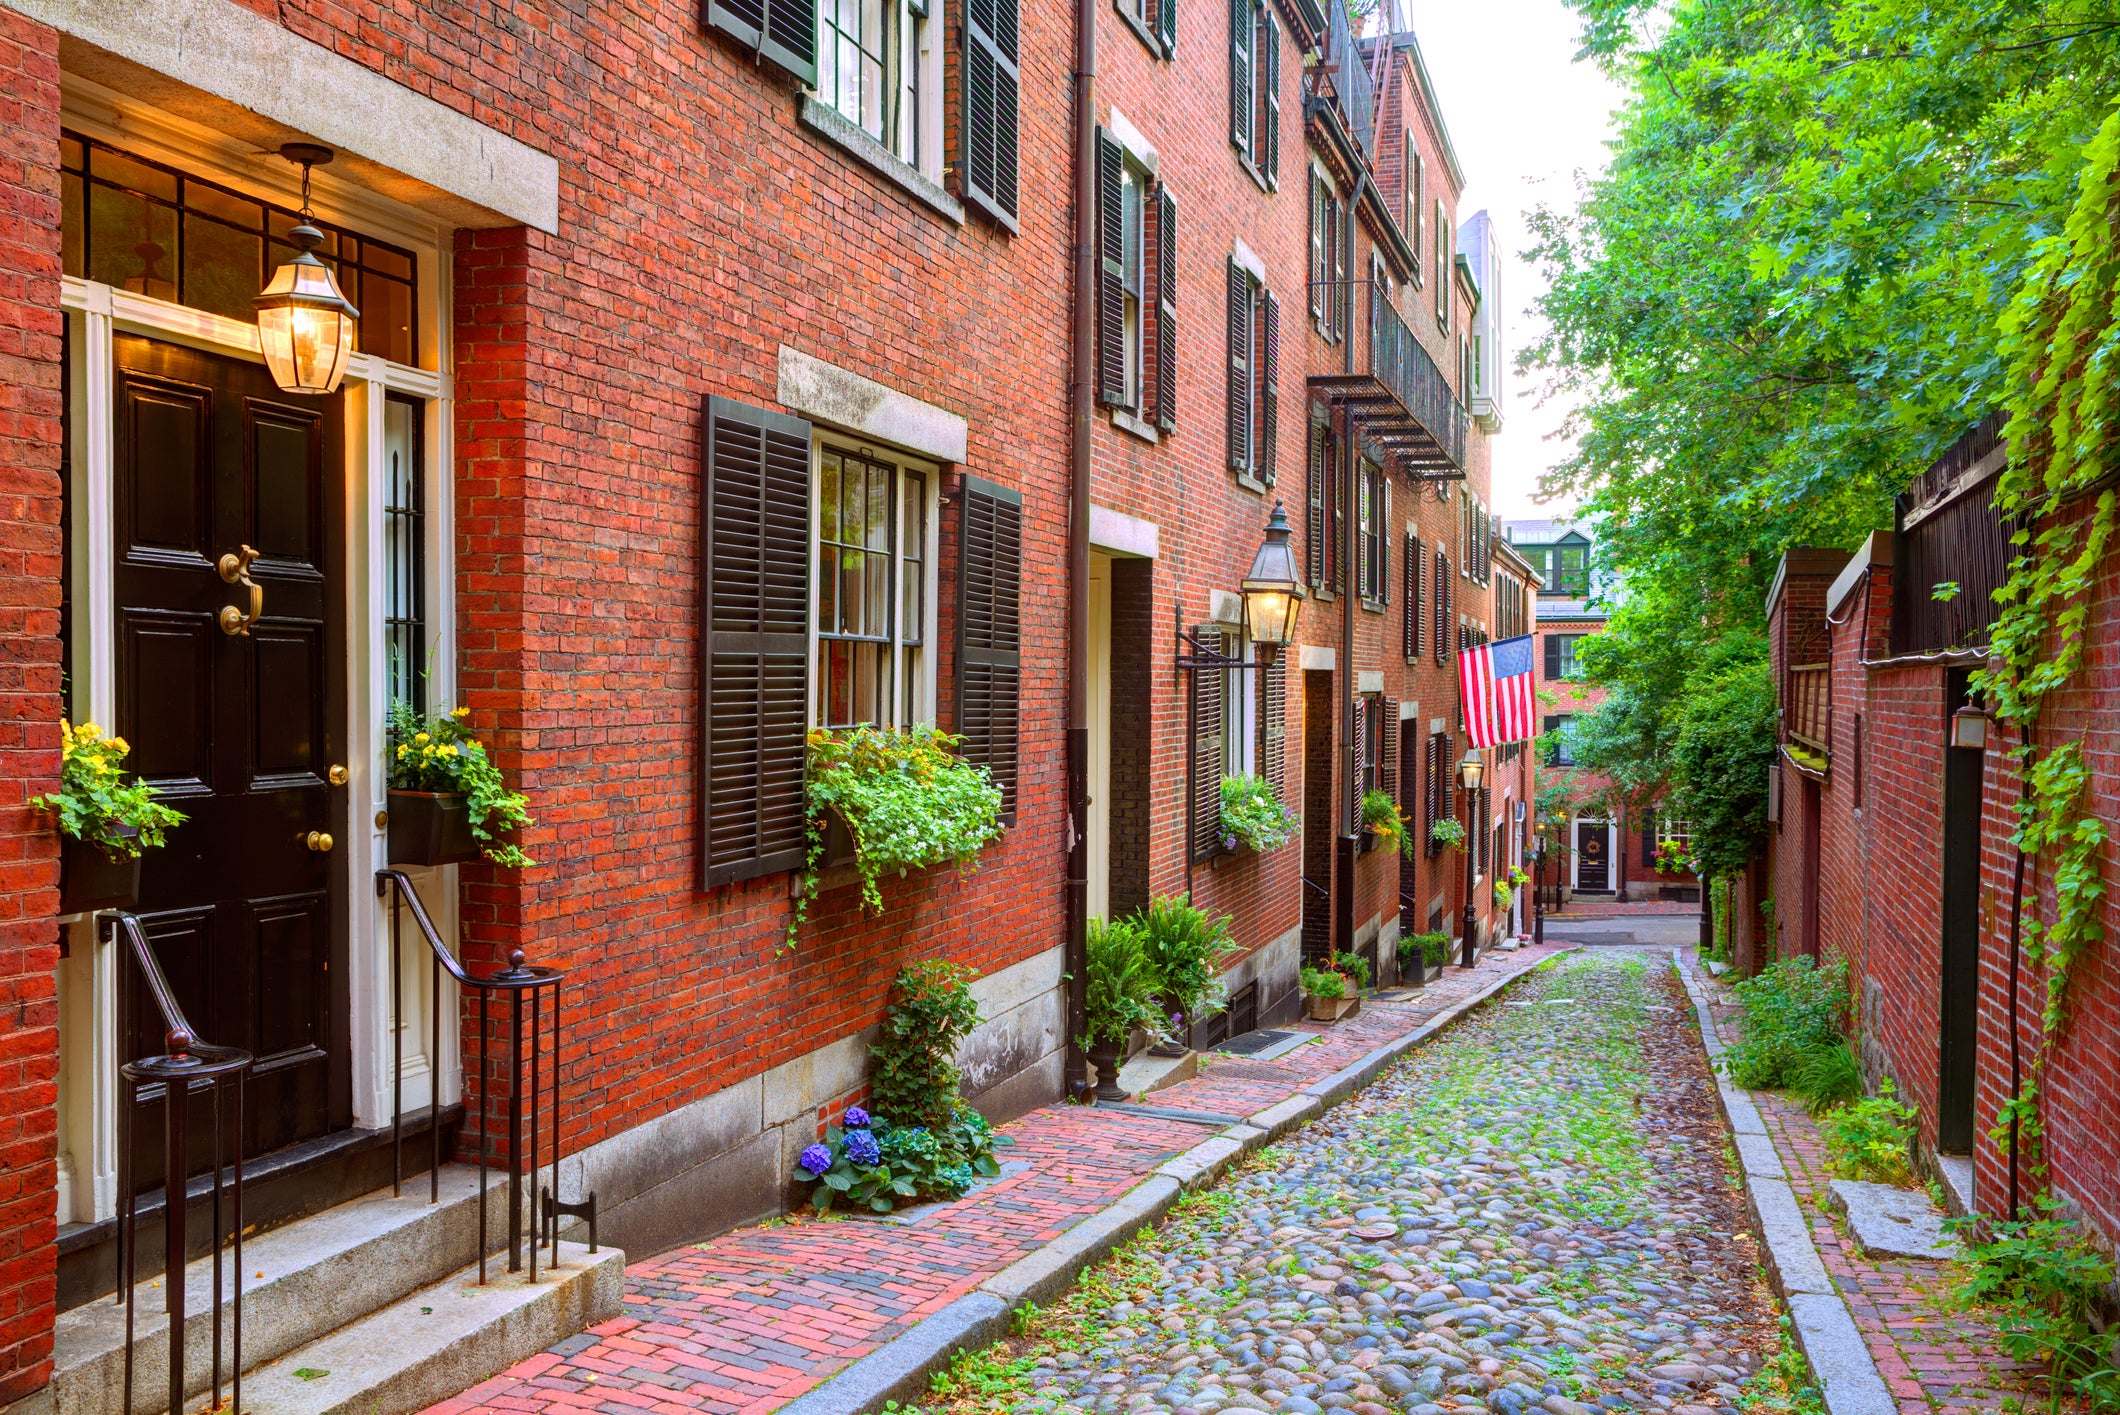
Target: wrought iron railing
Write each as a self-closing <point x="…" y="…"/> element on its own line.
<point x="185" y="1065"/>
<point x="1351" y="82"/>
<point x="522" y="983"/>
<point x="1807" y="706"/>
<point x="1398" y="395"/>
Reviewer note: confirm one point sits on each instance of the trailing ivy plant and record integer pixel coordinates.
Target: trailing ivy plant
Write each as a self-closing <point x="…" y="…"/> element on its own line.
<point x="2060" y="345"/>
<point x="437" y="751"/>
<point x="96" y="804"/>
<point x="1254" y="816"/>
<point x="907" y="798"/>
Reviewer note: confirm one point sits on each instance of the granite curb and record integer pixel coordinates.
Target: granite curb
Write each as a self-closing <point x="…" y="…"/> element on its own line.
<point x="899" y="1369"/>
<point x="1840" y="1359"/>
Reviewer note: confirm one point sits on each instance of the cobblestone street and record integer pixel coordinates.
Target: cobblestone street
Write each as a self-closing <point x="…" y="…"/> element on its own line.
<point x="1534" y="1212"/>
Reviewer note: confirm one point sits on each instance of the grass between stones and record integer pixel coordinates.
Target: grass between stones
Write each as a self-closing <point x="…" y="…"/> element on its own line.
<point x="1536" y="1212"/>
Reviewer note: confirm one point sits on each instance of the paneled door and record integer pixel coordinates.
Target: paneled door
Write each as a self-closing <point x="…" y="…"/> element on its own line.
<point x="228" y="500"/>
<point x="1593" y="865"/>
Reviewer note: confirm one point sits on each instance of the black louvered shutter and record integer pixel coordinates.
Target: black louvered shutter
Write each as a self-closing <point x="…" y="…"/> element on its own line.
<point x="1388" y="752"/>
<point x="1443" y="622"/>
<point x="783" y="31"/>
<point x="1314" y="494"/>
<point x="1410" y="629"/>
<point x="1166" y="308"/>
<point x="1364" y="748"/>
<point x="1167" y="25"/>
<point x="1317" y="248"/>
<point x="1241" y="37"/>
<point x="1365" y="510"/>
<point x="1553" y="656"/>
<point x="1273" y="718"/>
<point x="754" y="576"/>
<point x="1111" y="273"/>
<point x="1384" y="539"/>
<point x="1547" y="727"/>
<point x="989" y="634"/>
<point x="1239" y="332"/>
<point x="1269" y="386"/>
<point x="1649" y="840"/>
<point x="1269" y="144"/>
<point x="992" y="87"/>
<point x="1435" y="799"/>
<point x="1204" y="811"/>
<point x="1483" y="826"/>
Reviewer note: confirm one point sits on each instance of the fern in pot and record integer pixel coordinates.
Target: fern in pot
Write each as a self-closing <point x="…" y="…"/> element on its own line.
<point x="1186" y="946"/>
<point x="1119" y="995"/>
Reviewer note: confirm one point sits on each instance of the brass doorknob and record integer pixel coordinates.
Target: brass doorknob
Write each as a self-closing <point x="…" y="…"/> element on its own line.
<point x="319" y="841"/>
<point x="336" y="776"/>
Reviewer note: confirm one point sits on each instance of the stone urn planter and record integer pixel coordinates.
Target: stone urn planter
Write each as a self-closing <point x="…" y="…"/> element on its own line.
<point x="1106" y="1056"/>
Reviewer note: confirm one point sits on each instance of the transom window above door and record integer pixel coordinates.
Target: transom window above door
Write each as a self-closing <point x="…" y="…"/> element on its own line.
<point x="154" y="230"/>
<point x="875" y="551"/>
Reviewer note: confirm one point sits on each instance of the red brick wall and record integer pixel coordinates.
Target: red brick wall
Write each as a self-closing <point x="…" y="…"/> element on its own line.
<point x="2081" y="1083"/>
<point x="30" y="706"/>
<point x="1796" y="633"/>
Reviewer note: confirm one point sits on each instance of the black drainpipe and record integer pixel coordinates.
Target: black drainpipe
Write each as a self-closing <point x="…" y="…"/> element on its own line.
<point x="1079" y="420"/>
<point x="1351" y="815"/>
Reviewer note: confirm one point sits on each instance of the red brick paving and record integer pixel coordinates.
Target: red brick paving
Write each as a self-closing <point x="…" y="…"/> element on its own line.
<point x="747" y="1321"/>
<point x="1932" y="1358"/>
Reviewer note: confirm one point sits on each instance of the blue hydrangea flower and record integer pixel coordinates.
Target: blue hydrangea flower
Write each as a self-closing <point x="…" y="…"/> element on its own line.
<point x="856" y="1118"/>
<point x="862" y="1148"/>
<point x="815" y="1160"/>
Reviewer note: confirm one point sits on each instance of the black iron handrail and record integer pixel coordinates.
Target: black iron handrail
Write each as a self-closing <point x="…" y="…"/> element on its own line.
<point x="185" y="1063"/>
<point x="1401" y="400"/>
<point x="519" y="980"/>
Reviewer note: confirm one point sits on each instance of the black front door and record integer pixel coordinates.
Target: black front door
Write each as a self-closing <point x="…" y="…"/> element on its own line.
<point x="238" y="730"/>
<point x="1593" y="870"/>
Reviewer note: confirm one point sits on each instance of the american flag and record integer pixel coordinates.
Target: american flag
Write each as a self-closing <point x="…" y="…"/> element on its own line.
<point x="1495" y="683"/>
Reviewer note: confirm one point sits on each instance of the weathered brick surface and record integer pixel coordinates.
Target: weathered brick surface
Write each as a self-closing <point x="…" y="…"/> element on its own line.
<point x="31" y="556"/>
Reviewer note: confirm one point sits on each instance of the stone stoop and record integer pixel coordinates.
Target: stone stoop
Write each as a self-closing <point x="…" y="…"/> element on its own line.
<point x="332" y="1273"/>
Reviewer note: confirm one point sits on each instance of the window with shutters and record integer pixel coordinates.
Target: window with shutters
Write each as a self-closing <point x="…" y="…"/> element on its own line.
<point x="1443" y="278"/>
<point x="1372" y="548"/>
<point x="1329" y="288"/>
<point x="878" y="66"/>
<point x="1559" y="652"/>
<point x="1410" y="601"/>
<point x="782" y="32"/>
<point x="1561" y="727"/>
<point x="1255" y="89"/>
<point x="1154" y="23"/>
<point x="756" y="537"/>
<point x="1137" y="298"/>
<point x="991" y="97"/>
<point x="1215" y="718"/>
<point x="874" y="591"/>
<point x="990" y="631"/>
<point x="1322" y="497"/>
<point x="1254" y="397"/>
<point x="1444" y="625"/>
<point x="1410" y="176"/>
<point x="1435" y="803"/>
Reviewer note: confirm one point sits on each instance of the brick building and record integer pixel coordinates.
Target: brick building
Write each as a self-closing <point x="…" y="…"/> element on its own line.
<point x="1890" y="843"/>
<point x="650" y="315"/>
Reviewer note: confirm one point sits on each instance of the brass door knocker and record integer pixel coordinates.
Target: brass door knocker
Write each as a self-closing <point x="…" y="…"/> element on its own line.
<point x="235" y="569"/>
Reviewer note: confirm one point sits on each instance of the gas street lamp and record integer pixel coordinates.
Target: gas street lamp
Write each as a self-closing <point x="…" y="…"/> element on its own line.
<point x="1469" y="772"/>
<point x="1273" y="592"/>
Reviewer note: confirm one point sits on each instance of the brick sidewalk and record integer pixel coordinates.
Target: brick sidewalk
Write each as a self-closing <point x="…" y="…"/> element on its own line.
<point x="747" y="1321"/>
<point x="1932" y="1358"/>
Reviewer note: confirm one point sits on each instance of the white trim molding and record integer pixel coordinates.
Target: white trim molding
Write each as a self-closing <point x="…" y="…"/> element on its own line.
<point x="232" y="69"/>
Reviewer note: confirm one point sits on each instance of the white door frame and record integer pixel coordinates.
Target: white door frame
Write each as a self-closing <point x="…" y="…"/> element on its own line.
<point x="1575" y="857"/>
<point x="96" y="313"/>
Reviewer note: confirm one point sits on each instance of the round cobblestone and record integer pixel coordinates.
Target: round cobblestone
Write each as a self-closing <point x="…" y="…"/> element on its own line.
<point x="1534" y="1213"/>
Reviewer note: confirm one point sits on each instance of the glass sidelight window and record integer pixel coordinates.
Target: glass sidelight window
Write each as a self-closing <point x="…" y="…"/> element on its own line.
<point x="404" y="552"/>
<point x="875" y="544"/>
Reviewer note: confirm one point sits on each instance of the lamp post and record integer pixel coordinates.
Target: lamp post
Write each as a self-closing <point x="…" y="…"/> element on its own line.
<point x="1538" y="894"/>
<point x="1469" y="772"/>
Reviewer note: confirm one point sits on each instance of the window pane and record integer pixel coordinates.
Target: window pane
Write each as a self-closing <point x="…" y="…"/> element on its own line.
<point x="404" y="558"/>
<point x="220" y="268"/>
<point x="852" y="615"/>
<point x="879" y="517"/>
<point x="132" y="243"/>
<point x="386" y="318"/>
<point x="201" y="196"/>
<point x="915" y="688"/>
<point x="828" y="498"/>
<point x="913" y="604"/>
<point x="129" y="172"/>
<point x="70" y="227"/>
<point x="385" y="261"/>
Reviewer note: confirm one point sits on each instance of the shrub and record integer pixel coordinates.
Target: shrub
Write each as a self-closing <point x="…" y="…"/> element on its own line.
<point x="436" y="751"/>
<point x="94" y="800"/>
<point x="1254" y="816"/>
<point x="1434" y="947"/>
<point x="1790" y="1009"/>
<point x="1121" y="986"/>
<point x="906" y="797"/>
<point x="1184" y="946"/>
<point x="1324" y="983"/>
<point x="1826" y="1077"/>
<point x="874" y="1164"/>
<point x="2047" y="1287"/>
<point x="931" y="1011"/>
<point x="1868" y="1139"/>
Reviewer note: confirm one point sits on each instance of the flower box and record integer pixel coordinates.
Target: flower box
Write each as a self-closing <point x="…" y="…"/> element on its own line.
<point x="431" y="828"/>
<point x="1414" y="973"/>
<point x="90" y="879"/>
<point x="1331" y="1009"/>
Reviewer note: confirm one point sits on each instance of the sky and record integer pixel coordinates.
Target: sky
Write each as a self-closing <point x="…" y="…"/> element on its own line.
<point x="1524" y="119"/>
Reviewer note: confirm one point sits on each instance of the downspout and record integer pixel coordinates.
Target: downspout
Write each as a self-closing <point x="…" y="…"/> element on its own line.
<point x="1079" y="419"/>
<point x="1351" y="530"/>
<point x="2024" y="792"/>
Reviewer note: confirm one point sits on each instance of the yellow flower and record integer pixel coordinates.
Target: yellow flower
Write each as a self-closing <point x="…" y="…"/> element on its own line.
<point x="118" y="745"/>
<point x="403" y="749"/>
<point x="419" y="736"/>
<point x="445" y="751"/>
<point x="90" y="732"/>
<point x="461" y="712"/>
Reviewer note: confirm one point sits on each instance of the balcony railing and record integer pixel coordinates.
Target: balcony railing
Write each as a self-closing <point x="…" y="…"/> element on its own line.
<point x="1351" y="83"/>
<point x="1400" y="398"/>
<point x="1807" y="707"/>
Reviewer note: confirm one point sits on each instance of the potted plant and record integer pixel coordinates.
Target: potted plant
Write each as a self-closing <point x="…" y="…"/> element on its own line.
<point x="1119" y="995"/>
<point x="1386" y="824"/>
<point x="106" y="821"/>
<point x="1254" y="817"/>
<point x="903" y="796"/>
<point x="1421" y="957"/>
<point x="1672" y="858"/>
<point x="1185" y="947"/>
<point x="1504" y="895"/>
<point x="1326" y="991"/>
<point x="1447" y="833"/>
<point x="448" y="801"/>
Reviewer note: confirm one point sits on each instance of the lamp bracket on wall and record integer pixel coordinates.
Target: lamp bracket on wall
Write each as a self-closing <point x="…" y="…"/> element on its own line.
<point x="1200" y="655"/>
